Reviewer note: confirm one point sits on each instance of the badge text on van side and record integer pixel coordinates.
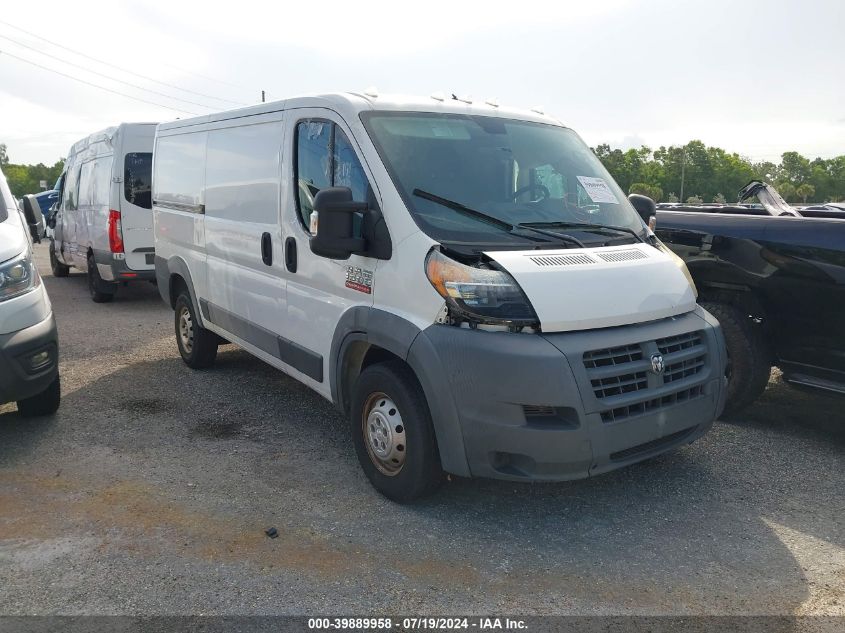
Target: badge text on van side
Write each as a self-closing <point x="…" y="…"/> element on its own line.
<point x="359" y="279"/>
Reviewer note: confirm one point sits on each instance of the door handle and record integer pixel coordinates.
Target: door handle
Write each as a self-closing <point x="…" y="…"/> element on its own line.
<point x="267" y="249"/>
<point x="290" y="254"/>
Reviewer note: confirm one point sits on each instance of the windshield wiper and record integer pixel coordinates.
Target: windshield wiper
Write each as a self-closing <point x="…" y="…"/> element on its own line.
<point x="586" y="226"/>
<point x="489" y="219"/>
<point x="462" y="208"/>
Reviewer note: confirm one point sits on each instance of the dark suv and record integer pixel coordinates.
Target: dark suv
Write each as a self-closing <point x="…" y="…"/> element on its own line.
<point x="775" y="278"/>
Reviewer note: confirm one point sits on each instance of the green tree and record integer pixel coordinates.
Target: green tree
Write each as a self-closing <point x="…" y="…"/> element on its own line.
<point x="794" y="168"/>
<point x="672" y="197"/>
<point x="694" y="200"/>
<point x="644" y="189"/>
<point x="786" y="190"/>
<point x="805" y="190"/>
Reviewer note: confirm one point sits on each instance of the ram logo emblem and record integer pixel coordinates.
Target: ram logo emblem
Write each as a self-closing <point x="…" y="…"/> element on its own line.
<point x="658" y="365"/>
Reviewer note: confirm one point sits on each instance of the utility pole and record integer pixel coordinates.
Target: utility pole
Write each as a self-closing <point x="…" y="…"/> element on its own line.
<point x="683" y="169"/>
<point x="262" y="96"/>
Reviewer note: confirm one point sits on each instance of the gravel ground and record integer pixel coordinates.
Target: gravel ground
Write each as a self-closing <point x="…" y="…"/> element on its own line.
<point x="149" y="493"/>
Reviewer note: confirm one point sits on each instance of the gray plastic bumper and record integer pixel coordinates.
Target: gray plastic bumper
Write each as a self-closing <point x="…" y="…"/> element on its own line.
<point x="532" y="407"/>
<point x="18" y="378"/>
<point x="114" y="270"/>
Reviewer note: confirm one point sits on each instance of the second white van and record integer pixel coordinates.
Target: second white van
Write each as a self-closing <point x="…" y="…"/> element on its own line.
<point x="465" y="282"/>
<point x="103" y="220"/>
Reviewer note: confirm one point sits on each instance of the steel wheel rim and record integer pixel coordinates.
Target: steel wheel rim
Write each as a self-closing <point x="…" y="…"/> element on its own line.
<point x="186" y="329"/>
<point x="384" y="434"/>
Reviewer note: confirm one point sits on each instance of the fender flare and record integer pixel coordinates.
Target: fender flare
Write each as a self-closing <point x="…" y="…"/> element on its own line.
<point x="405" y="340"/>
<point x="165" y="269"/>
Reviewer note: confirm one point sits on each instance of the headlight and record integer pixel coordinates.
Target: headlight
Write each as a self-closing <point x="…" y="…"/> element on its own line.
<point x="679" y="263"/>
<point x="17" y="276"/>
<point x="478" y="294"/>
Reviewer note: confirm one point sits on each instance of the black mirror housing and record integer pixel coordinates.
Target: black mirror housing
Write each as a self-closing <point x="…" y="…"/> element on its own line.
<point x="33" y="216"/>
<point x="644" y="206"/>
<point x="334" y="239"/>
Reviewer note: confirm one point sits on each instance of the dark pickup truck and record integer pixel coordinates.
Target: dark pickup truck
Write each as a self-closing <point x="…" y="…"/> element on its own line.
<point x="775" y="278"/>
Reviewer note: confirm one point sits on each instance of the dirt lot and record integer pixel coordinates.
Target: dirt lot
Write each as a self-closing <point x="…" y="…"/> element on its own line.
<point x="149" y="493"/>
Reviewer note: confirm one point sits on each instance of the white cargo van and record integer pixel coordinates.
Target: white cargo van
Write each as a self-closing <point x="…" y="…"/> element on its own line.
<point x="477" y="294"/>
<point x="103" y="221"/>
<point x="29" y="352"/>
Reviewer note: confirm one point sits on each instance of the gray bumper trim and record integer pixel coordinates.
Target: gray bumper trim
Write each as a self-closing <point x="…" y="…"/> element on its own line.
<point x="115" y="270"/>
<point x="491" y="383"/>
<point x="16" y="382"/>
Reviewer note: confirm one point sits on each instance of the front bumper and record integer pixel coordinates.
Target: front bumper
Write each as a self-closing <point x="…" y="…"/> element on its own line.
<point x="530" y="407"/>
<point x="18" y="379"/>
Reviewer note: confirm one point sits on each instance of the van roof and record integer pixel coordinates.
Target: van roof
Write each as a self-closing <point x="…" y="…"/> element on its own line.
<point x="350" y="104"/>
<point x="104" y="136"/>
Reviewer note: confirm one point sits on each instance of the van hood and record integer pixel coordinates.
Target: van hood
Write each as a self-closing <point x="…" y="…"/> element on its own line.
<point x="13" y="242"/>
<point x="580" y="289"/>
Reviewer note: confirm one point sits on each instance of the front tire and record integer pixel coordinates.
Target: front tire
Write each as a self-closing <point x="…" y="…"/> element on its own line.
<point x="96" y="285"/>
<point x="749" y="361"/>
<point x="197" y="346"/>
<point x="44" y="403"/>
<point x="393" y="433"/>
<point x="59" y="269"/>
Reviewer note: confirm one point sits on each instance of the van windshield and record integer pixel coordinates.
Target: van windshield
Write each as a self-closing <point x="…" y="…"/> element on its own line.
<point x="518" y="172"/>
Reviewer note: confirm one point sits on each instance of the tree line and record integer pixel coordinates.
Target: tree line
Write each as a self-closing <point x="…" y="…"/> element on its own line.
<point x="697" y="173"/>
<point x="24" y="179"/>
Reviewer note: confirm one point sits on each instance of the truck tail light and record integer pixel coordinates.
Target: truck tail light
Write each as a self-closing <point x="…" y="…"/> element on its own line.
<point x="115" y="232"/>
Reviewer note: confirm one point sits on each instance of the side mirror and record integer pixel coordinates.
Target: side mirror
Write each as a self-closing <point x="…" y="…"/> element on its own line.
<point x="646" y="209"/>
<point x="335" y="208"/>
<point x="34" y="218"/>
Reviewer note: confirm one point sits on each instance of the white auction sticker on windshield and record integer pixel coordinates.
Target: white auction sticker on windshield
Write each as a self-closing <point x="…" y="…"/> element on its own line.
<point x="597" y="189"/>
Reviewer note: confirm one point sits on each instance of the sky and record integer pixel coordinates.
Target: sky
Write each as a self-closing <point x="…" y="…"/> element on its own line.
<point x="753" y="77"/>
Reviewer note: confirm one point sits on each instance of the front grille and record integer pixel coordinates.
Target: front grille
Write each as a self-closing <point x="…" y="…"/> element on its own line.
<point x="617" y="385"/>
<point x="676" y="343"/>
<point x="619" y="373"/>
<point x="647" y="406"/>
<point x="612" y="356"/>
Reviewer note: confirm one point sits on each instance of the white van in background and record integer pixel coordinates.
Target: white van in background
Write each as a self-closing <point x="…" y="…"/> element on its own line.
<point x="29" y="348"/>
<point x="103" y="220"/>
<point x="479" y="297"/>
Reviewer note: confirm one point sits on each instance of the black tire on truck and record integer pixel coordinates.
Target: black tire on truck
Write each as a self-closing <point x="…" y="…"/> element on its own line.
<point x="58" y="268"/>
<point x="749" y="360"/>
<point x="393" y="433"/>
<point x="99" y="289"/>
<point x="44" y="403"/>
<point x="197" y="346"/>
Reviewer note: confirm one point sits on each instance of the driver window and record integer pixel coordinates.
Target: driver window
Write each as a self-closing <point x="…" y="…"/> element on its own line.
<point x="325" y="158"/>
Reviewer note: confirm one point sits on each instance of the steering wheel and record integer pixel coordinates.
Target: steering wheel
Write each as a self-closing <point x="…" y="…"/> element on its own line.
<point x="544" y="192"/>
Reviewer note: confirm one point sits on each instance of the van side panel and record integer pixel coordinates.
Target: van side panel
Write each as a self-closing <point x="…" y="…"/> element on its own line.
<point x="244" y="247"/>
<point x="178" y="211"/>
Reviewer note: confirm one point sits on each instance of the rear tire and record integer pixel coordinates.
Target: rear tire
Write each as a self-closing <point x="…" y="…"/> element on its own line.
<point x="749" y="361"/>
<point x="59" y="269"/>
<point x="96" y="285"/>
<point x="197" y="346"/>
<point x="393" y="433"/>
<point x="44" y="403"/>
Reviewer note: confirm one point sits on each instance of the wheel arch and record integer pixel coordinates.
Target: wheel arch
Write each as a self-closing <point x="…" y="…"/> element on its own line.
<point x="365" y="336"/>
